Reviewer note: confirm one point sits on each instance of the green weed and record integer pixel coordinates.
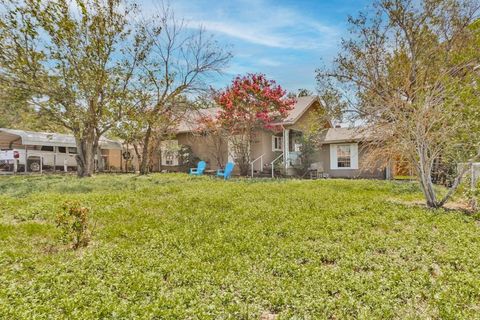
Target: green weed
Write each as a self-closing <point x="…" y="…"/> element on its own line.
<point x="169" y="246"/>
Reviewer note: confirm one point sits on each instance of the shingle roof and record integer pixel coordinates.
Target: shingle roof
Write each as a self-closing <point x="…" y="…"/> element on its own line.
<point x="333" y="135"/>
<point x="190" y="121"/>
<point x="302" y="105"/>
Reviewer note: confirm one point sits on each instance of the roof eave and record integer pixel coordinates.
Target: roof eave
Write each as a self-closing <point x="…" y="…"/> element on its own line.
<point x="341" y="141"/>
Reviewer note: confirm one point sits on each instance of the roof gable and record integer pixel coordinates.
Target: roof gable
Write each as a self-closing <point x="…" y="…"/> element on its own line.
<point x="300" y="107"/>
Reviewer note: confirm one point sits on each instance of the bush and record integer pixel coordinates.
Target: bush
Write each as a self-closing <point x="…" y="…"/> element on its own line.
<point x="73" y="221"/>
<point x="186" y="157"/>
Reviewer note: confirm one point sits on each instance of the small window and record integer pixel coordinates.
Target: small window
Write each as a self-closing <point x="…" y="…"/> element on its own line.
<point x="169" y="159"/>
<point x="62" y="150"/>
<point x="72" y="150"/>
<point x="47" y="148"/>
<point x="169" y="152"/>
<point x="344" y="158"/>
<point x="277" y="143"/>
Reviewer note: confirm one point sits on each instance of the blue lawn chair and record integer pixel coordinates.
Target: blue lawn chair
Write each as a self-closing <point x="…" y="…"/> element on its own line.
<point x="198" y="171"/>
<point x="227" y="172"/>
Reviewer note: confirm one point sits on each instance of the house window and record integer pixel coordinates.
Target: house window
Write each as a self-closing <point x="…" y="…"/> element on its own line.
<point x="169" y="158"/>
<point x="277" y="143"/>
<point x="344" y="159"/>
<point x="344" y="156"/>
<point x="169" y="152"/>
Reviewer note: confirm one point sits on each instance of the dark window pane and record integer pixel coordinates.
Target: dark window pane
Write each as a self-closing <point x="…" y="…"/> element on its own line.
<point x="47" y="148"/>
<point x="72" y="150"/>
<point x="277" y="143"/>
<point x="62" y="149"/>
<point x="343" y="157"/>
<point x="343" y="162"/>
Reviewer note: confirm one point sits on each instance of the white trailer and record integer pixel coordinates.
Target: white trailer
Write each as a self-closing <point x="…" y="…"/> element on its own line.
<point x="58" y="158"/>
<point x="35" y="151"/>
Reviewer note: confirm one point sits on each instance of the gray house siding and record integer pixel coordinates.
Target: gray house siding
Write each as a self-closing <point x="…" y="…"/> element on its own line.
<point x="323" y="156"/>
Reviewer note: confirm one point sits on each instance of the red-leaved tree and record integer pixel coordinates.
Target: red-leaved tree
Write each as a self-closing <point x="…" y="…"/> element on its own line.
<point x="249" y="104"/>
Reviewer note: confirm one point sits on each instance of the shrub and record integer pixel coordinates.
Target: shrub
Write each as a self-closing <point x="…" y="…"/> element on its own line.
<point x="73" y="222"/>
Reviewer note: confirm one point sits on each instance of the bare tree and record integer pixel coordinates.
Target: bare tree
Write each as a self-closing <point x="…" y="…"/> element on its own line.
<point x="408" y="71"/>
<point x="179" y="65"/>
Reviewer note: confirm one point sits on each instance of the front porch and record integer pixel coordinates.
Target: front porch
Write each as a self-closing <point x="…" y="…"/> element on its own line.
<point x="292" y="148"/>
<point x="280" y="157"/>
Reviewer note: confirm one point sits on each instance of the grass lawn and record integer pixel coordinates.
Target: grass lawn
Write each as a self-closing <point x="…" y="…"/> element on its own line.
<point x="174" y="247"/>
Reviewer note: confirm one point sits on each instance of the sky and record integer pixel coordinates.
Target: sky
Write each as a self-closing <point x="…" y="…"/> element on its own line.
<point x="284" y="39"/>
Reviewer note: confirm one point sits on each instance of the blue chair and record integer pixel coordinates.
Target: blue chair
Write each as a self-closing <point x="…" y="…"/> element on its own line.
<point x="227" y="172"/>
<point x="198" y="171"/>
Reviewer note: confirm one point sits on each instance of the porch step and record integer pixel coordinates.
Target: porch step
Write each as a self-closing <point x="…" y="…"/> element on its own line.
<point x="263" y="175"/>
<point x="267" y="174"/>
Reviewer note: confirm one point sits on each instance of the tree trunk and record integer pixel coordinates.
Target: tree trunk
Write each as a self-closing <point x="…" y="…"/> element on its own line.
<point x="424" y="170"/>
<point x="139" y="157"/>
<point x="86" y="148"/>
<point x="144" y="167"/>
<point x="427" y="189"/>
<point x="425" y="173"/>
<point x="244" y="168"/>
<point x="456" y="183"/>
<point x="152" y="151"/>
<point x="244" y="163"/>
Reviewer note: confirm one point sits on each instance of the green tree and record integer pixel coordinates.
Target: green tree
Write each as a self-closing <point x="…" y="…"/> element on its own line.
<point x="18" y="113"/>
<point x="304" y="93"/>
<point x="14" y="108"/>
<point x="74" y="60"/>
<point x="311" y="138"/>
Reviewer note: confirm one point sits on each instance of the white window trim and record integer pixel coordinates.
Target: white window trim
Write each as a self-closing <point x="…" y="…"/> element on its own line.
<point x="353" y="156"/>
<point x="280" y="143"/>
<point x="164" y="146"/>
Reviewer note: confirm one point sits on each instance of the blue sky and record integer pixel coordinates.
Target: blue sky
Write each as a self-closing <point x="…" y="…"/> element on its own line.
<point x="285" y="39"/>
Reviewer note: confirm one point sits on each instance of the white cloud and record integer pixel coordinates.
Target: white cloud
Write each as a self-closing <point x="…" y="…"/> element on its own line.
<point x="259" y="22"/>
<point x="268" y="62"/>
<point x="237" y="68"/>
<point x="242" y="32"/>
<point x="284" y="41"/>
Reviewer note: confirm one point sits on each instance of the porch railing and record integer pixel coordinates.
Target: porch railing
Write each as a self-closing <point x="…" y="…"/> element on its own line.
<point x="273" y="164"/>
<point x="261" y="162"/>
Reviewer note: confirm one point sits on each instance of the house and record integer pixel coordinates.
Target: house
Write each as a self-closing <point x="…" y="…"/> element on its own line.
<point x="341" y="152"/>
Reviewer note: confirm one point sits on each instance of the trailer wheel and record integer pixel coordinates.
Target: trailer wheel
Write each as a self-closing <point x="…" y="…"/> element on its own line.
<point x="34" y="166"/>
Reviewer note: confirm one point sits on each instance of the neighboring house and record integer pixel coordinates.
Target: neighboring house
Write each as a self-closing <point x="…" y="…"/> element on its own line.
<point x="341" y="152"/>
<point x="344" y="155"/>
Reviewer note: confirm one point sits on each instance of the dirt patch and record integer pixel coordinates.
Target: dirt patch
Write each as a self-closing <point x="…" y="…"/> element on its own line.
<point x="454" y="206"/>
